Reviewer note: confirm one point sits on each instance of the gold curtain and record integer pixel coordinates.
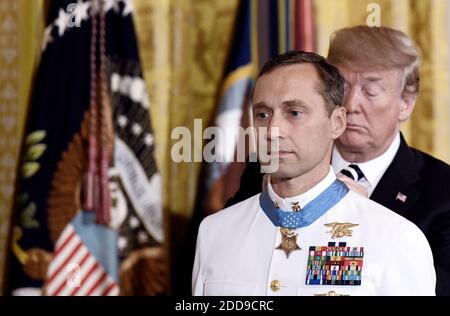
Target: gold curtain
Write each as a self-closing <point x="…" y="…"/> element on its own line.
<point x="21" y="25"/>
<point x="425" y="21"/>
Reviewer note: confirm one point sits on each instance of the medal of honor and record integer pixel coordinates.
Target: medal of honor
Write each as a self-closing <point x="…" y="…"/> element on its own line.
<point x="300" y="216"/>
<point x="288" y="241"/>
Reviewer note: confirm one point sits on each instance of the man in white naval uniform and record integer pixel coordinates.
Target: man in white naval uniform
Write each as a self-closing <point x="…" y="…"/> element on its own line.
<point x="307" y="234"/>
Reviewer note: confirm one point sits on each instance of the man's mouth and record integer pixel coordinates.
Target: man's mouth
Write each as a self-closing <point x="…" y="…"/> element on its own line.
<point x="354" y="127"/>
<point x="281" y="153"/>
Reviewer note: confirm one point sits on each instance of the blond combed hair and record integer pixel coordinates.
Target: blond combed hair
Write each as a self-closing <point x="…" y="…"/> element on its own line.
<point x="364" y="48"/>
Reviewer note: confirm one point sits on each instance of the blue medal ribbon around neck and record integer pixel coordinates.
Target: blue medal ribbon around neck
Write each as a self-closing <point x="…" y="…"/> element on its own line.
<point x="309" y="213"/>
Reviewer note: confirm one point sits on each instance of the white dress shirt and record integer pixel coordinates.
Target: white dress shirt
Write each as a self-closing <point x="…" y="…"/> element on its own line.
<point x="236" y="253"/>
<point x="373" y="169"/>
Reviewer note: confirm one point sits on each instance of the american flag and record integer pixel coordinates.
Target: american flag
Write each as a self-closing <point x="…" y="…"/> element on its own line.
<point x="80" y="265"/>
<point x="401" y="197"/>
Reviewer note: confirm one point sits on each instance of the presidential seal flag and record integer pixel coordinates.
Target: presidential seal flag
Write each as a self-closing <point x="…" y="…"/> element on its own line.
<point x="89" y="218"/>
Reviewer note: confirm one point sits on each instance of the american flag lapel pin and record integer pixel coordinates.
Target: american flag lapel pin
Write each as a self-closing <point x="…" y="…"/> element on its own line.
<point x="401" y="197"/>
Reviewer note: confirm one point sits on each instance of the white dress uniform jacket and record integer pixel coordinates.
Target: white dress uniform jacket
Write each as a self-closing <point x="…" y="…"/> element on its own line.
<point x="236" y="253"/>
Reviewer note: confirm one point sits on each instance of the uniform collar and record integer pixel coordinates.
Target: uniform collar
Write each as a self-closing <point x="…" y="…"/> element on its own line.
<point x="373" y="169"/>
<point x="286" y="204"/>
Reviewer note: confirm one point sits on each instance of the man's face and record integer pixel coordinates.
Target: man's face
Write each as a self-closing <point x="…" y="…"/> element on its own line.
<point x="287" y="99"/>
<point x="375" y="109"/>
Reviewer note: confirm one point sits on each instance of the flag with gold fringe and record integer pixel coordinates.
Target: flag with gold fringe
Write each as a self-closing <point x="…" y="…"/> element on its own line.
<point x="89" y="214"/>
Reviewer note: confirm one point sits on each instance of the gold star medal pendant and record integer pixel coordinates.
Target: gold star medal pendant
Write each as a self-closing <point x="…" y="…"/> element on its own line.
<point x="288" y="241"/>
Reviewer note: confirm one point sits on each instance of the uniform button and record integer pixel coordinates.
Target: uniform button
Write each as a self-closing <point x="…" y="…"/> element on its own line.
<point x="275" y="285"/>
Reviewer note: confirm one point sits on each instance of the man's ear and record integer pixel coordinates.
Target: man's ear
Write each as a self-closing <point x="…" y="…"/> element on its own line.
<point x="338" y="122"/>
<point x="407" y="107"/>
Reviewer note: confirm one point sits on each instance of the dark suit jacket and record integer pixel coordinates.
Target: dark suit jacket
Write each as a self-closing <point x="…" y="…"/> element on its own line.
<point x="424" y="180"/>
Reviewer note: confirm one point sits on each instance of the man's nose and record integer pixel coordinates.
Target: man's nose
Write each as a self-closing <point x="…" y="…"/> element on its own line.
<point x="352" y="101"/>
<point x="276" y="128"/>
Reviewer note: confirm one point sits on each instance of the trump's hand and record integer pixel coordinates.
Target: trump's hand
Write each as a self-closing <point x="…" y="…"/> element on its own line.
<point x="353" y="185"/>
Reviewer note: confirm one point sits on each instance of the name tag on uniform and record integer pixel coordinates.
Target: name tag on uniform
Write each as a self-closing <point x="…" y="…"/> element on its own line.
<point x="334" y="265"/>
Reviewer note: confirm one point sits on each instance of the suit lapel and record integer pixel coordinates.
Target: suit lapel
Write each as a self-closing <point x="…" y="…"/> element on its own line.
<point x="399" y="180"/>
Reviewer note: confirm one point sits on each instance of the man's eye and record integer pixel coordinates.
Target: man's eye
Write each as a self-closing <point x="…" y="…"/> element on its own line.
<point x="262" y="115"/>
<point x="371" y="94"/>
<point x="296" y="113"/>
<point x="372" y="91"/>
